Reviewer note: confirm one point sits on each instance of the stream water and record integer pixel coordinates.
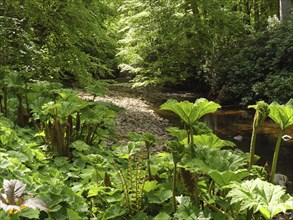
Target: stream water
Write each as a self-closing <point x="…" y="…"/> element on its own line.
<point x="229" y="123"/>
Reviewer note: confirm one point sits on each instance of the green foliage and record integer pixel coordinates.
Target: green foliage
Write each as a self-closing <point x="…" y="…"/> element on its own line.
<point x="261" y="113"/>
<point x="211" y="141"/>
<point x="248" y="72"/>
<point x="69" y="40"/>
<point x="149" y="140"/>
<point x="277" y="87"/>
<point x="189" y="112"/>
<point x="187" y="210"/>
<point x="227" y="177"/>
<point x="261" y="196"/>
<point x="207" y="159"/>
<point x="282" y="115"/>
<point x="69" y="118"/>
<point x="172" y="41"/>
<point x="96" y="89"/>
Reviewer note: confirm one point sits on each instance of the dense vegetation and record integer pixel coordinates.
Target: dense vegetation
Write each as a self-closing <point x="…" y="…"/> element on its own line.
<point x="60" y="152"/>
<point x="237" y="51"/>
<point x="58" y="160"/>
<point x="234" y="51"/>
<point x="64" y="40"/>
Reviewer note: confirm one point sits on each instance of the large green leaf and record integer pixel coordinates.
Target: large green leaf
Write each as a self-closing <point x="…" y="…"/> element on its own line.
<point x="30" y="213"/>
<point x="162" y="216"/>
<point x="150" y="185"/>
<point x="141" y="216"/>
<point x="128" y="150"/>
<point x="72" y="215"/>
<point x="208" y="159"/>
<point x="210" y="140"/>
<point x="190" y="112"/>
<point x="180" y="134"/>
<point x="261" y="196"/>
<point x="282" y="114"/>
<point x="227" y="177"/>
<point x="114" y="211"/>
<point x="159" y="196"/>
<point x="13" y="80"/>
<point x="187" y="210"/>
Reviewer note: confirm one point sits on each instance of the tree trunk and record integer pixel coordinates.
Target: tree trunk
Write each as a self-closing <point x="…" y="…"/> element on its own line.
<point x="285" y="6"/>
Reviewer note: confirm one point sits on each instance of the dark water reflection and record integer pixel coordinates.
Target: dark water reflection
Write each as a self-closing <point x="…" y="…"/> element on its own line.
<point x="228" y="123"/>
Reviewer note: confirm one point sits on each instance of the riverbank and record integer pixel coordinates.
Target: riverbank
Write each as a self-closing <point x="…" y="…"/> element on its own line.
<point x="141" y="114"/>
<point x="138" y="115"/>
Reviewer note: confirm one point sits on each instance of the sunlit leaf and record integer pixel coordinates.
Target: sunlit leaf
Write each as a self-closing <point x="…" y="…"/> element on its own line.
<point x="162" y="216"/>
<point x="282" y="114"/>
<point x="210" y="140"/>
<point x="159" y="196"/>
<point x="187" y="210"/>
<point x="30" y="213"/>
<point x="180" y="134"/>
<point x="208" y="159"/>
<point x="80" y="145"/>
<point x="127" y="151"/>
<point x="73" y="215"/>
<point x="95" y="190"/>
<point x="261" y="196"/>
<point x="226" y="177"/>
<point x="150" y="185"/>
<point x="190" y="112"/>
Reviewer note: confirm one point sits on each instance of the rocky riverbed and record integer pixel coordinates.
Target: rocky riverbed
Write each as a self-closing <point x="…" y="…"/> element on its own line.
<point x="138" y="115"/>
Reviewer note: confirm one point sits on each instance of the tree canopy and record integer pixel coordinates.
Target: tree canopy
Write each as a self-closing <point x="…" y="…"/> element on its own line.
<point x="229" y="49"/>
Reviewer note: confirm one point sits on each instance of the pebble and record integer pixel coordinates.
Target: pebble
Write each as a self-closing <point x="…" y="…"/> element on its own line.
<point x="137" y="117"/>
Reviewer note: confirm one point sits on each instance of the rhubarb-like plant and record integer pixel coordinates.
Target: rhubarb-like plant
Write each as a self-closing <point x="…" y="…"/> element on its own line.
<point x="282" y="115"/>
<point x="261" y="112"/>
<point x="190" y="113"/>
<point x="261" y="197"/>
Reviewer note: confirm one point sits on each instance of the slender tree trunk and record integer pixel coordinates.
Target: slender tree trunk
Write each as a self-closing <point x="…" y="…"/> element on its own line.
<point x="20" y="111"/>
<point x="285" y="6"/>
<point x="5" y="100"/>
<point x="256" y="11"/>
<point x="247" y="10"/>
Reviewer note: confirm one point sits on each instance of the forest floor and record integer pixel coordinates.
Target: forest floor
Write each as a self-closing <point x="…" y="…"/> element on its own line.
<point x="140" y="110"/>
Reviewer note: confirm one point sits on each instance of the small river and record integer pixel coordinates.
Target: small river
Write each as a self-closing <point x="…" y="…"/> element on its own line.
<point x="228" y="123"/>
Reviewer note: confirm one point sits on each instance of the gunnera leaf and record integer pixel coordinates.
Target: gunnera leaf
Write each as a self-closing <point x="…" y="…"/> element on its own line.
<point x="261" y="196"/>
<point x="159" y="196"/>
